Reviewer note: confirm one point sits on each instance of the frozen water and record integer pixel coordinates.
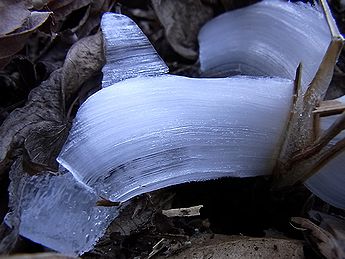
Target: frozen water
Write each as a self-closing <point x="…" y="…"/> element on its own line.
<point x="268" y="38"/>
<point x="59" y="213"/>
<point x="143" y="134"/>
<point x="329" y="182"/>
<point x="254" y="41"/>
<point x="128" y="51"/>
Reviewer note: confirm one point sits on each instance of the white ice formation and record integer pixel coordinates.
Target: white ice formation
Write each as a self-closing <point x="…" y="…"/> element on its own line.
<point x="143" y="134"/>
<point x="269" y="38"/>
<point x="58" y="212"/>
<point x="272" y="38"/>
<point x="329" y="182"/>
<point x="128" y="52"/>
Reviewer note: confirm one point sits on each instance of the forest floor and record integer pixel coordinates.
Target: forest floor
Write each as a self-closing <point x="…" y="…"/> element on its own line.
<point x="240" y="215"/>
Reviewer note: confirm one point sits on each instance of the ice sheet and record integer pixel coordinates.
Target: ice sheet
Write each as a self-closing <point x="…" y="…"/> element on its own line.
<point x="268" y="38"/>
<point x="329" y="182"/>
<point x="59" y="213"/>
<point x="143" y="134"/>
<point x="128" y="51"/>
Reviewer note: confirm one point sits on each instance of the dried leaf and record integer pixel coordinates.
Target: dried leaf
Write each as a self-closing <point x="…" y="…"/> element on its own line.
<point x="44" y="107"/>
<point x="39" y="4"/>
<point x="39" y="127"/>
<point x="82" y="61"/>
<point x="97" y="9"/>
<point x="328" y="237"/>
<point x="61" y="13"/>
<point x="40" y="153"/>
<point x="13" y="15"/>
<point x="12" y="43"/>
<point x="182" y="20"/>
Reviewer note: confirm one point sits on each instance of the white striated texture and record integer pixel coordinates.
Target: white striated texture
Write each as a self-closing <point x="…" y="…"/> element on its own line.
<point x="143" y="134"/>
<point x="329" y="182"/>
<point x="59" y="213"/>
<point x="268" y="38"/>
<point x="128" y="51"/>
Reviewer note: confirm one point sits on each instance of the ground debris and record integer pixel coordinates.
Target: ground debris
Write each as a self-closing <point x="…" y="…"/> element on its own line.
<point x="182" y="21"/>
<point x="42" y="123"/>
<point x="221" y="246"/>
<point x="327" y="235"/>
<point x="37" y="256"/>
<point x="183" y="212"/>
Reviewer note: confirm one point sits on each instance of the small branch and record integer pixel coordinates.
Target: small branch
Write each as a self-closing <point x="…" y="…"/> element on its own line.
<point x="329" y="108"/>
<point x="296" y="94"/>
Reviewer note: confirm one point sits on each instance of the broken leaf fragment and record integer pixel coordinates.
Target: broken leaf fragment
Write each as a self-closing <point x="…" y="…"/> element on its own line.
<point x="13" y="15"/>
<point x="14" y="41"/>
<point x="46" y="110"/>
<point x="326" y="233"/>
<point x="182" y="21"/>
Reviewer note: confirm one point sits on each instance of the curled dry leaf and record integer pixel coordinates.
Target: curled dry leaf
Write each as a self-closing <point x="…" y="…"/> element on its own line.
<point x="43" y="109"/>
<point x="62" y="9"/>
<point x="39" y="4"/>
<point x="82" y="61"/>
<point x="38" y="129"/>
<point x="13" y="14"/>
<point x="78" y="17"/>
<point x="12" y="43"/>
<point x="94" y="18"/>
<point x="328" y="237"/>
<point x="182" y="20"/>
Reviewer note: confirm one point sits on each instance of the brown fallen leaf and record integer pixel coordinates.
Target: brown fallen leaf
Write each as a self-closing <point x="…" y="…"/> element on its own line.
<point x="97" y="8"/>
<point x="62" y="10"/>
<point x="39" y="4"/>
<point x="328" y="237"/>
<point x="182" y="20"/>
<point x="13" y="15"/>
<point x="83" y="60"/>
<point x="38" y="130"/>
<point x="44" y="106"/>
<point x="14" y="42"/>
<point x="89" y="13"/>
